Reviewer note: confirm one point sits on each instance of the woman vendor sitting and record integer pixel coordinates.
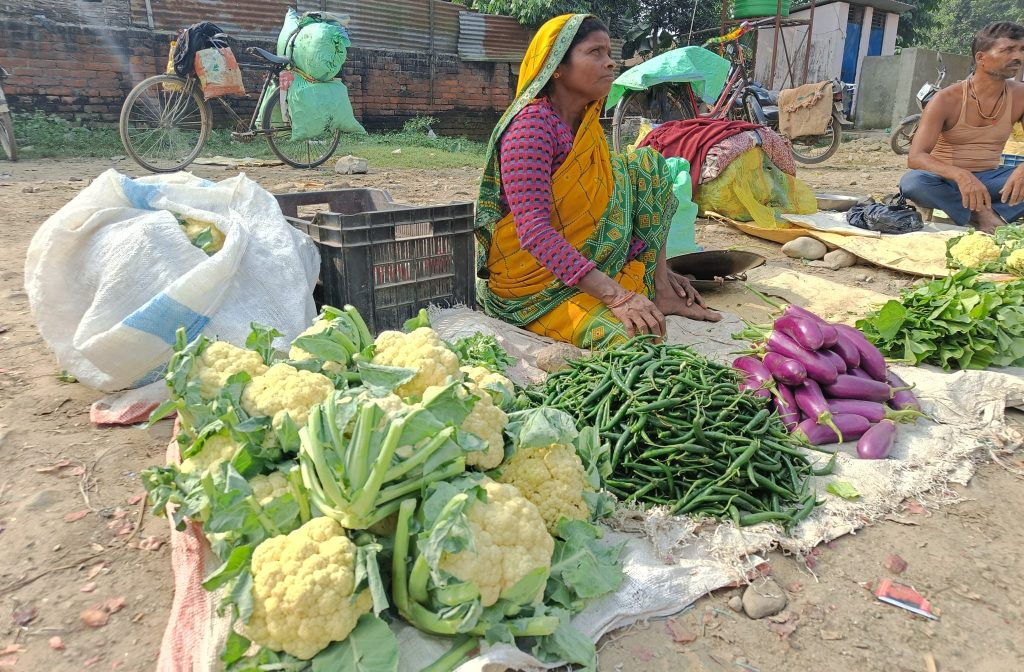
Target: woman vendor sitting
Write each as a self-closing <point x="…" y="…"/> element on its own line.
<point x="571" y="239"/>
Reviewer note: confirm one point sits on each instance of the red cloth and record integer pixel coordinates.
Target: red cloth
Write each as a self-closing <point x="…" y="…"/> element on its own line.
<point x="691" y="139"/>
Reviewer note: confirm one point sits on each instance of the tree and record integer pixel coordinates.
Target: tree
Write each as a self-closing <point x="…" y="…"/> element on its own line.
<point x="915" y="24"/>
<point x="950" y="25"/>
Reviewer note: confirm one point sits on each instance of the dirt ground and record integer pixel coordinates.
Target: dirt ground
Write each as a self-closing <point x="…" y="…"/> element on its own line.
<point x="74" y="537"/>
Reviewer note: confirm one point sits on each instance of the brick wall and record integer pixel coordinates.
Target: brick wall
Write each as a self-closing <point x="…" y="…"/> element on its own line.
<point x="84" y="72"/>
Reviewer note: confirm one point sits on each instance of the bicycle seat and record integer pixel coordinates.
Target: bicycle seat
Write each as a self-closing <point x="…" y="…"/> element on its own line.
<point x="267" y="56"/>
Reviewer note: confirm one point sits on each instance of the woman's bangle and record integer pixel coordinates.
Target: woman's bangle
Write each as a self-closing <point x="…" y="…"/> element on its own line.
<point x="621" y="301"/>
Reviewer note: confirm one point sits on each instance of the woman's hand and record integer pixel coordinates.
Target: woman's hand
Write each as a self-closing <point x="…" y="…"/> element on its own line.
<point x="638" y="314"/>
<point x="684" y="290"/>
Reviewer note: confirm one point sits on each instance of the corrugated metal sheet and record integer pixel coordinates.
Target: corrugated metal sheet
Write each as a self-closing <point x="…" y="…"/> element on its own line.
<point x="484" y="37"/>
<point x="401" y="25"/>
<point x="255" y="18"/>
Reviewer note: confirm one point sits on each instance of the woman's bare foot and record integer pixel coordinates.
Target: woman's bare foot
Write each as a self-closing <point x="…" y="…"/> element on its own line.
<point x="669" y="302"/>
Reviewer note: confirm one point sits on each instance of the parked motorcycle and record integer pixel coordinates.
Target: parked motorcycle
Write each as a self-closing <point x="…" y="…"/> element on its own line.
<point x="763" y="108"/>
<point x="903" y="134"/>
<point x="6" y="123"/>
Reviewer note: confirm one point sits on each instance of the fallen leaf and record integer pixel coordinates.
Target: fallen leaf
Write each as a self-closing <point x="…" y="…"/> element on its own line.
<point x="23" y="617"/>
<point x="77" y="471"/>
<point x="57" y="466"/>
<point x="135" y="499"/>
<point x="56" y="643"/>
<point x="12" y="648"/>
<point x="895" y="564"/>
<point x="151" y="543"/>
<point x="94" y="618"/>
<point x="96" y="548"/>
<point x="119" y="512"/>
<point x="77" y="515"/>
<point x="96" y="569"/>
<point x="88" y="588"/>
<point x="915" y="508"/>
<point x="679" y="632"/>
<point x="795" y="587"/>
<point x="91" y="661"/>
<point x="115" y="604"/>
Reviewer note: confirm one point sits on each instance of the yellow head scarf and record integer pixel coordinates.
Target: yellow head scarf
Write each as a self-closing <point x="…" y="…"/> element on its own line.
<point x="539" y="50"/>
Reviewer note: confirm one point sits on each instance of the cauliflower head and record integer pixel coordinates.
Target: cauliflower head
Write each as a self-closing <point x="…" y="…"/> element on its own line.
<point x="553" y="478"/>
<point x="486" y="421"/>
<point x="975" y="250"/>
<point x="298" y="353"/>
<point x="421" y="351"/>
<point x="284" y="390"/>
<point x="266" y="488"/>
<point x="1015" y="262"/>
<point x="501" y="388"/>
<point x="509" y="542"/>
<point x="303" y="585"/>
<point x="217" y="449"/>
<point x="221" y="360"/>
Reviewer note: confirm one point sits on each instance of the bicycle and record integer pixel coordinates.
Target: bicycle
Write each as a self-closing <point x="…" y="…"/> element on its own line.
<point x="165" y="120"/>
<point x="739" y="99"/>
<point x="6" y="123"/>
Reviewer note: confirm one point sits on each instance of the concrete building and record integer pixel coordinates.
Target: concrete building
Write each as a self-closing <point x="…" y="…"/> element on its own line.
<point x="843" y="34"/>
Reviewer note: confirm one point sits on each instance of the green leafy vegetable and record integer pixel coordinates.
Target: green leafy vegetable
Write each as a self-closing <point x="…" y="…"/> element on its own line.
<point x="482" y="350"/>
<point x="960" y="322"/>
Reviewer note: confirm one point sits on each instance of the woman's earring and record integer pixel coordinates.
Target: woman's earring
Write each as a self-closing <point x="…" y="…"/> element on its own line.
<point x="557" y="75"/>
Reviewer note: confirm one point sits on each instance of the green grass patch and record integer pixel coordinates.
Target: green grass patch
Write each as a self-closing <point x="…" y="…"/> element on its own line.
<point x="41" y="136"/>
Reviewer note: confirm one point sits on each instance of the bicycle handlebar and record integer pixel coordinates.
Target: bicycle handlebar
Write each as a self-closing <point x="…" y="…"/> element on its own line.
<point x="737" y="32"/>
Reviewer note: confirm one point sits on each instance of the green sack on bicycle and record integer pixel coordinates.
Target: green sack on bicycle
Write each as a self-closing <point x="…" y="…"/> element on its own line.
<point x="319" y="108"/>
<point x="316" y="43"/>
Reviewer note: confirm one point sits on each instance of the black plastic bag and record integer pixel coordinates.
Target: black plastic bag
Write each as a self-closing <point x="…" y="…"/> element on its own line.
<point x="195" y="38"/>
<point x="897" y="217"/>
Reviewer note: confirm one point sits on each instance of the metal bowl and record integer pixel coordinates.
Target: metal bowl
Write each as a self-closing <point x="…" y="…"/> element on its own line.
<point x="712" y="268"/>
<point x="840" y="202"/>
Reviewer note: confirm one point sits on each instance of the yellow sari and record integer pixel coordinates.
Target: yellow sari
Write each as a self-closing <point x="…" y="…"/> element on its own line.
<point x="600" y="202"/>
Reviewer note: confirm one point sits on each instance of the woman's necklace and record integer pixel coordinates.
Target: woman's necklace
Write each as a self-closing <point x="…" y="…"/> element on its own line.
<point x="997" y="107"/>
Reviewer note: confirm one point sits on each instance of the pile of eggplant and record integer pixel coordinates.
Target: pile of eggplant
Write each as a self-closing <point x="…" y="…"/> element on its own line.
<point x="828" y="383"/>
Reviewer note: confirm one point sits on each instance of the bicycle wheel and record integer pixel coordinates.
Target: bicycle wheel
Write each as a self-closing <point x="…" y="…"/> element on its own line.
<point x="164" y="123"/>
<point x="818" y="148"/>
<point x="7" y="136"/>
<point x="296" y="153"/>
<point x="904" y="135"/>
<point x="657" y="105"/>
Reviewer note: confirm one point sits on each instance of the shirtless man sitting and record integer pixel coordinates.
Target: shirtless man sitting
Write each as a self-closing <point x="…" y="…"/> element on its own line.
<point x="955" y="153"/>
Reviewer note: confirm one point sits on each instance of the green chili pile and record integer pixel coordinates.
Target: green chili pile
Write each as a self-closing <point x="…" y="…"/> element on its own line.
<point x="684" y="436"/>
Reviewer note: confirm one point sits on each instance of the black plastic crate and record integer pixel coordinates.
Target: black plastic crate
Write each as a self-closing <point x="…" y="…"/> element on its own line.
<point x="387" y="259"/>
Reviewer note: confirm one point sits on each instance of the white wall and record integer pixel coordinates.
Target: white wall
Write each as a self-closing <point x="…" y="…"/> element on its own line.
<point x="827" y="43"/>
<point x="892" y="22"/>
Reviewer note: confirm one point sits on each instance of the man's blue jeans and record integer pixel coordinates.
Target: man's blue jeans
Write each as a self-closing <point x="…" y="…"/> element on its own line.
<point x="928" y="190"/>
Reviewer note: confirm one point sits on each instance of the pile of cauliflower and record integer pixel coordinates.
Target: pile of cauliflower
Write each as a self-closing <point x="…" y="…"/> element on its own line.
<point x="310" y="581"/>
<point x="1001" y="253"/>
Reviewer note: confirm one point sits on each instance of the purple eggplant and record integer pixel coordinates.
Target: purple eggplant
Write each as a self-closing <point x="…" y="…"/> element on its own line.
<point x="874" y="411"/>
<point x="852" y="387"/>
<point x="756" y="375"/>
<point x="818" y="367"/>
<point x="836" y="360"/>
<point x="859" y="372"/>
<point x="830" y="334"/>
<point x="851" y="426"/>
<point x="871" y="360"/>
<point x="902" y="399"/>
<point x="812" y="402"/>
<point x="785" y="405"/>
<point x="794" y="310"/>
<point x="757" y="389"/>
<point x="877" y="442"/>
<point x="847" y="349"/>
<point x="806" y="332"/>
<point x="785" y="370"/>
